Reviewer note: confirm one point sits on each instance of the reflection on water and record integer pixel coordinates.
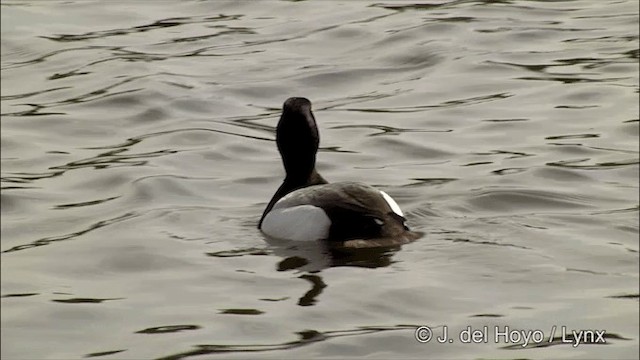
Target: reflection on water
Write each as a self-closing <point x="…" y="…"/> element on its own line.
<point x="506" y="130"/>
<point x="317" y="285"/>
<point x="305" y="337"/>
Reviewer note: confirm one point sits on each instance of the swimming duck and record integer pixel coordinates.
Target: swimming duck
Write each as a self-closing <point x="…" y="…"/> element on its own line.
<point x="308" y="207"/>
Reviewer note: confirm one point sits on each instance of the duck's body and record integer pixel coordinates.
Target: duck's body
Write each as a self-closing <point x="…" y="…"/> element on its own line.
<point x="307" y="207"/>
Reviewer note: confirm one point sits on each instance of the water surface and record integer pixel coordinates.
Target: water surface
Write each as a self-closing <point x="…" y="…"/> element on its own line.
<point x="138" y="154"/>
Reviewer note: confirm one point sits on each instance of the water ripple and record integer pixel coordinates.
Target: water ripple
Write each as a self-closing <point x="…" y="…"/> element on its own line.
<point x="70" y="236"/>
<point x="159" y="24"/>
<point x="305" y="337"/>
<point x="580" y="164"/>
<point x="451" y="103"/>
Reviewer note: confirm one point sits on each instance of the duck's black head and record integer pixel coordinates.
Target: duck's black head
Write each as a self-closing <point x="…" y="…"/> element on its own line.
<point x="297" y="137"/>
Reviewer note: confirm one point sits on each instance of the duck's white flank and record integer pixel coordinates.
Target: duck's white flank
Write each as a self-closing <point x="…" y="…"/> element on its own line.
<point x="392" y="204"/>
<point x="298" y="223"/>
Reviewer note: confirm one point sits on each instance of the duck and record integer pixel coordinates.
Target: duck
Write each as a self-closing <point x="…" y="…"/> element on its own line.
<point x="307" y="207"/>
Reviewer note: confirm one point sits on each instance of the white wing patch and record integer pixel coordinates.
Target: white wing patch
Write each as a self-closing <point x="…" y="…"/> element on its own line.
<point x="392" y="204"/>
<point x="298" y="223"/>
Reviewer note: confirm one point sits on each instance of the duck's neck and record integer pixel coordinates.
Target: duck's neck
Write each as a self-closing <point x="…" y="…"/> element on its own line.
<point x="292" y="183"/>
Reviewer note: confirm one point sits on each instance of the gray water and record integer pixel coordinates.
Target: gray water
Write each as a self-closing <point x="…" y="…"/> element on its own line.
<point x="138" y="154"/>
